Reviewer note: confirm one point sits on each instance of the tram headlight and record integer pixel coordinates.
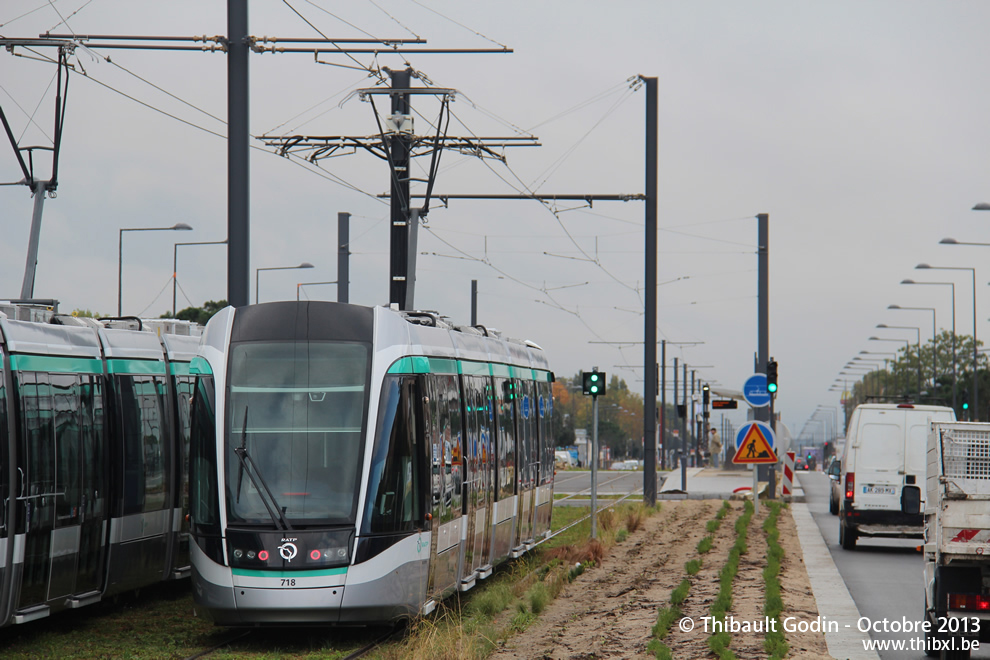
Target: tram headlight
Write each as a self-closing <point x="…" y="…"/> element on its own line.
<point x="238" y="553"/>
<point x="250" y="554"/>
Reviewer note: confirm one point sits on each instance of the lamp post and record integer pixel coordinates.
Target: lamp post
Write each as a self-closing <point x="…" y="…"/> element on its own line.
<point x="302" y="284"/>
<point x="975" y="410"/>
<point x="917" y="330"/>
<point x="894" y="359"/>
<point x="955" y="385"/>
<point x="180" y="226"/>
<point x="175" y="268"/>
<point x="934" y="339"/>
<point x="257" y="273"/>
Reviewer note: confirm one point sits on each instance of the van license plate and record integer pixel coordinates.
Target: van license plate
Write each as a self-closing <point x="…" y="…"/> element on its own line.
<point x="870" y="489"/>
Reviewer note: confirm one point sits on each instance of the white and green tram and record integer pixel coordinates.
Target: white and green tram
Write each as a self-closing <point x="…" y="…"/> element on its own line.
<point x="93" y="443"/>
<point x="355" y="465"/>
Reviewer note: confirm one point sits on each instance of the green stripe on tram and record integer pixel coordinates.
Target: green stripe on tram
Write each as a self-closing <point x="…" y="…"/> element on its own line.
<point x="56" y="364"/>
<point x="179" y="368"/>
<point x="122" y="366"/>
<point x="245" y="572"/>
<point x="423" y="365"/>
<point x="199" y="365"/>
<point x="419" y="364"/>
<point x="501" y="371"/>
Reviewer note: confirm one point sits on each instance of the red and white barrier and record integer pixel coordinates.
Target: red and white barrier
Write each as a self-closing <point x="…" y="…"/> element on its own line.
<point x="788" y="474"/>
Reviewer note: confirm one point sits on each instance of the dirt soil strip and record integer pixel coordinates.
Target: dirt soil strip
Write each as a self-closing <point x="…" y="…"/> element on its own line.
<point x="704" y="589"/>
<point x="609" y="611"/>
<point x="799" y="599"/>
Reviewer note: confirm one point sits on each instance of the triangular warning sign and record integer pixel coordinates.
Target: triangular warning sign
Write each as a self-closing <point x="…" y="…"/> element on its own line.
<point x="754" y="448"/>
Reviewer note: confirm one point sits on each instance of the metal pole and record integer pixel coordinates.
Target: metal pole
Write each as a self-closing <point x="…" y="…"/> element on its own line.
<point x="683" y="468"/>
<point x="976" y="357"/>
<point x="684" y="452"/>
<point x="763" y="313"/>
<point x="40" y="189"/>
<point x="399" y="148"/>
<point x="120" y="271"/>
<point x="663" y="404"/>
<point x="175" y="268"/>
<point x="474" y="302"/>
<point x="238" y="155"/>
<point x="650" y="322"/>
<point x="955" y="384"/>
<point x="594" y="465"/>
<point x="694" y="421"/>
<point x="343" y="256"/>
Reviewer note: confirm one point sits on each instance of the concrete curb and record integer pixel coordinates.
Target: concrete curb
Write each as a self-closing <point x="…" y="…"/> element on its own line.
<point x="831" y="595"/>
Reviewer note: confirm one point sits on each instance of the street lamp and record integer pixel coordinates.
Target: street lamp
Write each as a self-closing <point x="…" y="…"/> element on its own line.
<point x="975" y="410"/>
<point x="917" y="330"/>
<point x="934" y="339"/>
<point x="257" y="272"/>
<point x="955" y="385"/>
<point x="180" y="226"/>
<point x="894" y="360"/>
<point x="302" y="284"/>
<point x="175" y="268"/>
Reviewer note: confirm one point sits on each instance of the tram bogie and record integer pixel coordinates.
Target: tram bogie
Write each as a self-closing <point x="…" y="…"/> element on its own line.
<point x="357" y="464"/>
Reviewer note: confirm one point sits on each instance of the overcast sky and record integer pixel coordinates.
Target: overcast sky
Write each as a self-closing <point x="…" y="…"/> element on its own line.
<point x="859" y="127"/>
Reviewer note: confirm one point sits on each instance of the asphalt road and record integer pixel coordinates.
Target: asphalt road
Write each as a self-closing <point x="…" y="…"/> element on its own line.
<point x="884" y="576"/>
<point x="610" y="483"/>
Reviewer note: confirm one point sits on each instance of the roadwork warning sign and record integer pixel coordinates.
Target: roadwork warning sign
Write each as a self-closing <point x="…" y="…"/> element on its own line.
<point x="754" y="444"/>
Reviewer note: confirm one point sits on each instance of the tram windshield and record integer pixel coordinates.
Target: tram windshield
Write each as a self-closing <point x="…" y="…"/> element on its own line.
<point x="297" y="409"/>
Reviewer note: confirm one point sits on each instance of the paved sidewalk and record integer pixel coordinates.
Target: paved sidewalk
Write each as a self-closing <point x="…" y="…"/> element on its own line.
<point x="706" y="483"/>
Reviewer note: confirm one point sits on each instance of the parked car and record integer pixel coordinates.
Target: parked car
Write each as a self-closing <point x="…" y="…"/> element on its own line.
<point x="834" y="469"/>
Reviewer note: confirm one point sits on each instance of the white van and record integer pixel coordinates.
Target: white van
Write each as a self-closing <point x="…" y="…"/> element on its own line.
<point x="882" y="478"/>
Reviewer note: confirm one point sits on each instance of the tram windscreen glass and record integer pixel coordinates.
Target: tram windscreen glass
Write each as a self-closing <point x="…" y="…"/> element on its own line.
<point x="297" y="409"/>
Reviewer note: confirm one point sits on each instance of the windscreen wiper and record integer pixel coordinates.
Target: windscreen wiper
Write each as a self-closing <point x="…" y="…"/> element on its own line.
<point x="249" y="466"/>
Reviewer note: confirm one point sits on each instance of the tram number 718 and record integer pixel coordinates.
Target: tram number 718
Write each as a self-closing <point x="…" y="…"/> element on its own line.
<point x="288" y="582"/>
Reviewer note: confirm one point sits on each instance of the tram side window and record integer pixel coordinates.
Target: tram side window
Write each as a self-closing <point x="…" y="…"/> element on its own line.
<point x="394" y="495"/>
<point x="38" y="443"/>
<point x="4" y="447"/>
<point x="544" y="392"/>
<point x="144" y="437"/>
<point x="68" y="437"/>
<point x="92" y="444"/>
<point x="204" y="494"/>
<point x="505" y="391"/>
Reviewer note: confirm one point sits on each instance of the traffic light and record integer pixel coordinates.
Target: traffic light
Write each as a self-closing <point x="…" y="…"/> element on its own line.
<point x="705" y="392"/>
<point x="593" y="383"/>
<point x="772" y="376"/>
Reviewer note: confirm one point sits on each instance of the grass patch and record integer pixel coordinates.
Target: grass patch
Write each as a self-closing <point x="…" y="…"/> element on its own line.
<point x="719" y="642"/>
<point x="693" y="566"/>
<point x="680" y="594"/>
<point x="705" y="544"/>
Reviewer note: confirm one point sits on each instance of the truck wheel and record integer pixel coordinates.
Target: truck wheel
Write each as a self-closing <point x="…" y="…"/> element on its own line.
<point x="833" y="506"/>
<point x="847" y="537"/>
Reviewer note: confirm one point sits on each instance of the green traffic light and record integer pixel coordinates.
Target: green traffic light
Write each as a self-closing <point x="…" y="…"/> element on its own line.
<point x="772" y="387"/>
<point x="965" y="406"/>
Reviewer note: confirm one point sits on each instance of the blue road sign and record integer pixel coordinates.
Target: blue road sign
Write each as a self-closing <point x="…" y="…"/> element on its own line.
<point x="762" y="427"/>
<point x="755" y="391"/>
